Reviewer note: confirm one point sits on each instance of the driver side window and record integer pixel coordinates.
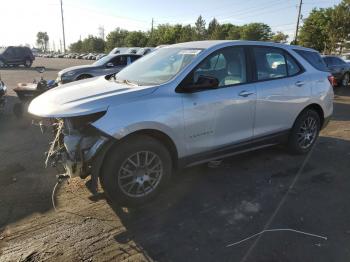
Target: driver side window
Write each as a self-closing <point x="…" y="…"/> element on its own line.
<point x="225" y="67"/>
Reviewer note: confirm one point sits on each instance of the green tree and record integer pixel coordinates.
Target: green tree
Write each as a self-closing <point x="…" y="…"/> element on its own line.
<point x="256" y="32"/>
<point x="314" y="32"/>
<point x="234" y="33"/>
<point x="76" y="47"/>
<point x="339" y="28"/>
<point x="42" y="40"/>
<point x="136" y="38"/>
<point x="212" y="27"/>
<point x="187" y="34"/>
<point x="116" y="38"/>
<point x="200" y="29"/>
<point x="279" y="37"/>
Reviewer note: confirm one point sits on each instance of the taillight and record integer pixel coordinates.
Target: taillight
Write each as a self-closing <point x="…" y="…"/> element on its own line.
<point x="332" y="80"/>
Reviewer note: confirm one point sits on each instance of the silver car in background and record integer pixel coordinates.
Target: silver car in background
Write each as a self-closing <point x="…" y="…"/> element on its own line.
<point x="183" y="105"/>
<point x="109" y="64"/>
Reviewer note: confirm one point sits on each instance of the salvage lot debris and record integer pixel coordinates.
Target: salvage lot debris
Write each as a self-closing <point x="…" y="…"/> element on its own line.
<point x="186" y="220"/>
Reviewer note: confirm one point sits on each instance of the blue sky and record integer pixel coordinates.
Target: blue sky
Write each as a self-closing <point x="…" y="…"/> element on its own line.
<point x="83" y="17"/>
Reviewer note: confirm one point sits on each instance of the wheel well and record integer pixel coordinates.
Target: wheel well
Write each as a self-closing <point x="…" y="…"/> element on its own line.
<point x="319" y="111"/>
<point x="161" y="137"/>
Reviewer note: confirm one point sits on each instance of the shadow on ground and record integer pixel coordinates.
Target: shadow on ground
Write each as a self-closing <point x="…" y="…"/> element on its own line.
<point x="206" y="209"/>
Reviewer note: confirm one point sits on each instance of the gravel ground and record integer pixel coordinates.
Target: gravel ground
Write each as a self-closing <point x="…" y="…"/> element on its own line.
<point x="199" y="214"/>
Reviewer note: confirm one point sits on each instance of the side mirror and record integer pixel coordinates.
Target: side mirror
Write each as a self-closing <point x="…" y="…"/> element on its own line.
<point x="203" y="83"/>
<point x="110" y="64"/>
<point x="40" y="69"/>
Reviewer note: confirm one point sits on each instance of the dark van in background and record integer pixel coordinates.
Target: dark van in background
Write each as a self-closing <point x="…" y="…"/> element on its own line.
<point x="16" y="55"/>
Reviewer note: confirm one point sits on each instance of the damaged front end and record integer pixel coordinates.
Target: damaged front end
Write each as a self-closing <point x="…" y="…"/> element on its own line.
<point x="78" y="146"/>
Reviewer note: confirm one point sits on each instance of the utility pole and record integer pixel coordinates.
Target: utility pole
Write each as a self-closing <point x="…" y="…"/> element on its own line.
<point x="298" y="20"/>
<point x="152" y="29"/>
<point x="101" y="32"/>
<point x="64" y="37"/>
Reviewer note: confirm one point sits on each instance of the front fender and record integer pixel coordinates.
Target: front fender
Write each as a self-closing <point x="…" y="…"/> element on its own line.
<point x="163" y="114"/>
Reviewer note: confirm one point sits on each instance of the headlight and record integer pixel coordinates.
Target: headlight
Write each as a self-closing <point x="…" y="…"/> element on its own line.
<point x="80" y="122"/>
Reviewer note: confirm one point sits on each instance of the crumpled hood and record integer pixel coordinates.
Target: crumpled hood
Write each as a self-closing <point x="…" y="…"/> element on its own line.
<point x="85" y="97"/>
<point x="75" y="68"/>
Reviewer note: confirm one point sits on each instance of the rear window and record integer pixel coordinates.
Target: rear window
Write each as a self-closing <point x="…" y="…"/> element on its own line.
<point x="314" y="59"/>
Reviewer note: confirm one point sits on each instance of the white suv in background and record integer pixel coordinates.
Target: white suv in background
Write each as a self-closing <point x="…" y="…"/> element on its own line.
<point x="183" y="105"/>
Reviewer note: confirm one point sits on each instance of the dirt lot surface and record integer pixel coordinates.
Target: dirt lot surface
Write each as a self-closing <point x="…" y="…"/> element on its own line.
<point x="202" y="211"/>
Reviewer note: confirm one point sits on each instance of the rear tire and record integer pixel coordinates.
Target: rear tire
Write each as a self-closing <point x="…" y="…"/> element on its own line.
<point x="304" y="132"/>
<point x="136" y="170"/>
<point x="28" y="63"/>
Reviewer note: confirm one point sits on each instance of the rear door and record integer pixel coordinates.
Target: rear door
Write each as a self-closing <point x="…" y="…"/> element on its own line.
<point x="282" y="90"/>
<point x="216" y="118"/>
<point x="19" y="55"/>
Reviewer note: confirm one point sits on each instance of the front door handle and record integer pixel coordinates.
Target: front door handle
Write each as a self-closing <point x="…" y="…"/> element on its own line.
<point x="245" y="93"/>
<point x="299" y="83"/>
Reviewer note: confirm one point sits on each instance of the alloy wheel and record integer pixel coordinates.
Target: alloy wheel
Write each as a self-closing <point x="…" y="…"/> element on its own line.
<point x="27" y="63"/>
<point x="307" y="133"/>
<point x="140" y="174"/>
<point x="345" y="81"/>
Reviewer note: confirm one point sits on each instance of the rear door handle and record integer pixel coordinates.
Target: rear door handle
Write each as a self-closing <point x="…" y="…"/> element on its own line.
<point x="245" y="93"/>
<point x="299" y="83"/>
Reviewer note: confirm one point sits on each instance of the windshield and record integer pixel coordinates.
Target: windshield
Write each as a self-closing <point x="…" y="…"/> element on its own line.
<point x="103" y="60"/>
<point x="157" y="67"/>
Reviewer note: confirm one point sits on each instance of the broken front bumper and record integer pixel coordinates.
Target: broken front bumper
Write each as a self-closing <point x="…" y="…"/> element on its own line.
<point x="75" y="150"/>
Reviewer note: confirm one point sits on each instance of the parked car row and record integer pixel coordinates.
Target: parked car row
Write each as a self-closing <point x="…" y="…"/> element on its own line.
<point x="89" y="56"/>
<point x="180" y="106"/>
<point x="97" y="56"/>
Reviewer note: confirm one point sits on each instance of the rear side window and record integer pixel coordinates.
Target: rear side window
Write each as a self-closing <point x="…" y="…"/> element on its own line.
<point x="292" y="66"/>
<point x="314" y="59"/>
<point x="270" y="63"/>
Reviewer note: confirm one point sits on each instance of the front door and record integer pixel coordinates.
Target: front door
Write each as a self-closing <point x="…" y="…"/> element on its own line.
<point x="222" y="116"/>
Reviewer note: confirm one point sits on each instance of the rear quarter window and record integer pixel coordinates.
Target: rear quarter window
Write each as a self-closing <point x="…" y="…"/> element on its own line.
<point x="313" y="58"/>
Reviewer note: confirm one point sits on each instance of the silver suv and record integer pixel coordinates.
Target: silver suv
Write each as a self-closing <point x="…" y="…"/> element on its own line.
<point x="182" y="105"/>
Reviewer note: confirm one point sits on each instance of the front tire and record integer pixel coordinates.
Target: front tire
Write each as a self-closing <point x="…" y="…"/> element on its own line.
<point x="135" y="170"/>
<point x="345" y="80"/>
<point x="304" y="132"/>
<point x="2" y="63"/>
